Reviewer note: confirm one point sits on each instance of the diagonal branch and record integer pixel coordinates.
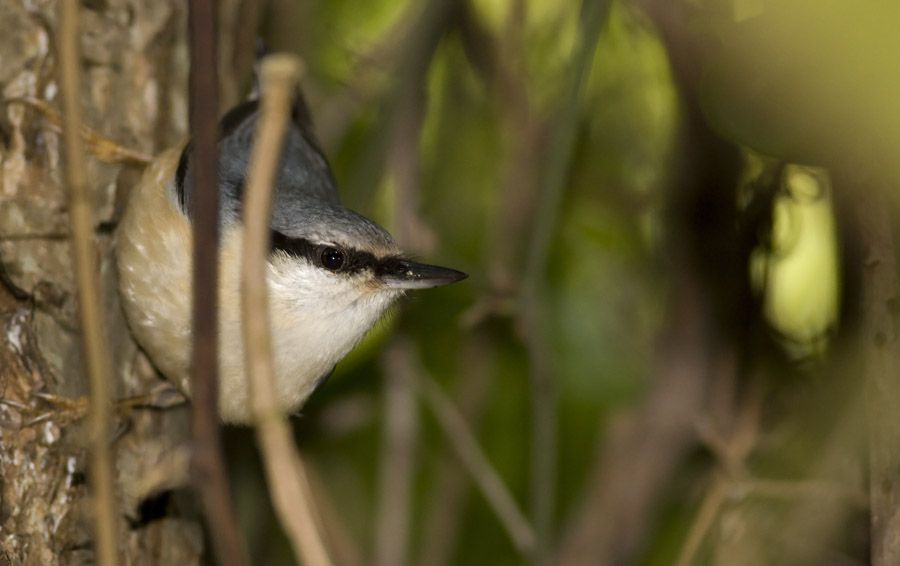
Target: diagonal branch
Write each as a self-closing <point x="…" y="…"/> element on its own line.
<point x="476" y="463"/>
<point x="533" y="318"/>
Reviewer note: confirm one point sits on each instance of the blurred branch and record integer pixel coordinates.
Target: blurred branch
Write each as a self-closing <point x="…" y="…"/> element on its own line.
<point x="732" y="454"/>
<point x="408" y="45"/>
<point x="239" y="24"/>
<point x="284" y="468"/>
<point x="809" y="489"/>
<point x="501" y="63"/>
<point x="562" y="144"/>
<point x="534" y="321"/>
<point x="818" y="503"/>
<point x="397" y="460"/>
<point x="404" y="157"/>
<point x="480" y="46"/>
<point x="840" y="463"/>
<point x="521" y="164"/>
<point x="404" y="123"/>
<point x="706" y="516"/>
<point x="644" y="450"/>
<point x="97" y="356"/>
<point x="476" y="463"/>
<point x="339" y="539"/>
<point x="210" y="476"/>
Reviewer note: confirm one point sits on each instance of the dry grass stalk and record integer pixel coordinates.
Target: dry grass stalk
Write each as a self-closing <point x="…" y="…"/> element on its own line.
<point x="97" y="357"/>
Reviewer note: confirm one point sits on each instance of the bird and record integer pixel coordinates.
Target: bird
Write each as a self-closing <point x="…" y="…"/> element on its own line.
<point x="331" y="273"/>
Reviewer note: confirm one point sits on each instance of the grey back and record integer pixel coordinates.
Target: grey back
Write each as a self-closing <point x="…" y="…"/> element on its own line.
<point x="304" y="181"/>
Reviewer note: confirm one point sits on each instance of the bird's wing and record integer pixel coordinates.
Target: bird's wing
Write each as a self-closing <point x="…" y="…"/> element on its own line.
<point x="305" y="175"/>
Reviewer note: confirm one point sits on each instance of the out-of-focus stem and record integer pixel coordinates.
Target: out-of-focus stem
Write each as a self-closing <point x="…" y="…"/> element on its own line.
<point x="207" y="459"/>
<point x="476" y="463"/>
<point x="533" y="319"/>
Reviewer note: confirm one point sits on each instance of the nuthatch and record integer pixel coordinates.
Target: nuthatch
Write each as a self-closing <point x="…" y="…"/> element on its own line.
<point x="331" y="272"/>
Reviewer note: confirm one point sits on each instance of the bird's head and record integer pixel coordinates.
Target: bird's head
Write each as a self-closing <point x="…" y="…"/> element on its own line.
<point x="328" y="264"/>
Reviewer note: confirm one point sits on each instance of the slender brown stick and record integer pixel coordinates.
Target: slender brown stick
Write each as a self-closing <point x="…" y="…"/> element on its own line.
<point x="284" y="468"/>
<point x="100" y="147"/>
<point x="448" y="498"/>
<point x="210" y="476"/>
<point x="479" y="467"/>
<point x="706" y="516"/>
<point x="803" y="489"/>
<point x="96" y="355"/>
<point x="407" y="47"/>
<point x="400" y="438"/>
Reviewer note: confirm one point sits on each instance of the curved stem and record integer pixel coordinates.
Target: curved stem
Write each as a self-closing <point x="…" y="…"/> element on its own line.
<point x="284" y="468"/>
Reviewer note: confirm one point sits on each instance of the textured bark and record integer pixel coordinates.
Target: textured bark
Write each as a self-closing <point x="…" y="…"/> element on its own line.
<point x="134" y="70"/>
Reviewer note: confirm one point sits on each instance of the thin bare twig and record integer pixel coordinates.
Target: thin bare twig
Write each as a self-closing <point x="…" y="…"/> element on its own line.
<point x="400" y="437"/>
<point x="406" y="42"/>
<point x="732" y="453"/>
<point x="637" y="464"/>
<point x="97" y="357"/>
<point x="448" y="498"/>
<point x="839" y="462"/>
<point x="802" y="489"/>
<point x="706" y="516"/>
<point x="284" y="468"/>
<point x="643" y="448"/>
<point x="521" y="165"/>
<point x="207" y="461"/>
<point x="476" y="463"/>
<point x="101" y="147"/>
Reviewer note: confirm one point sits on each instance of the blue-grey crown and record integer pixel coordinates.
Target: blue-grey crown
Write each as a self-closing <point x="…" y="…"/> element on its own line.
<point x="305" y="202"/>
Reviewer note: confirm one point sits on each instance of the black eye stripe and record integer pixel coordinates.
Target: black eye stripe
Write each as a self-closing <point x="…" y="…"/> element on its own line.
<point x="355" y="261"/>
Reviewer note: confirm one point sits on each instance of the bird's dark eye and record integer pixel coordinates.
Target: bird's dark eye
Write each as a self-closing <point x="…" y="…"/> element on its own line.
<point x="332" y="259"/>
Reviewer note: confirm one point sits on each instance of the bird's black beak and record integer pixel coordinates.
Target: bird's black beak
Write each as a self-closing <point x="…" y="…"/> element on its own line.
<point x="399" y="273"/>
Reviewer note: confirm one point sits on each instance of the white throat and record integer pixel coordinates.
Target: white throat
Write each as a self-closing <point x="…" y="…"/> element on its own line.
<point x="316" y="318"/>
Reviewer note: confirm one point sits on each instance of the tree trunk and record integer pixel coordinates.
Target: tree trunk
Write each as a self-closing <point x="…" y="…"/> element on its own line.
<point x="134" y="66"/>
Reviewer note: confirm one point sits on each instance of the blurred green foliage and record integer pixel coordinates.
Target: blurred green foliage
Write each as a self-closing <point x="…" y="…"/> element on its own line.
<point x="795" y="80"/>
